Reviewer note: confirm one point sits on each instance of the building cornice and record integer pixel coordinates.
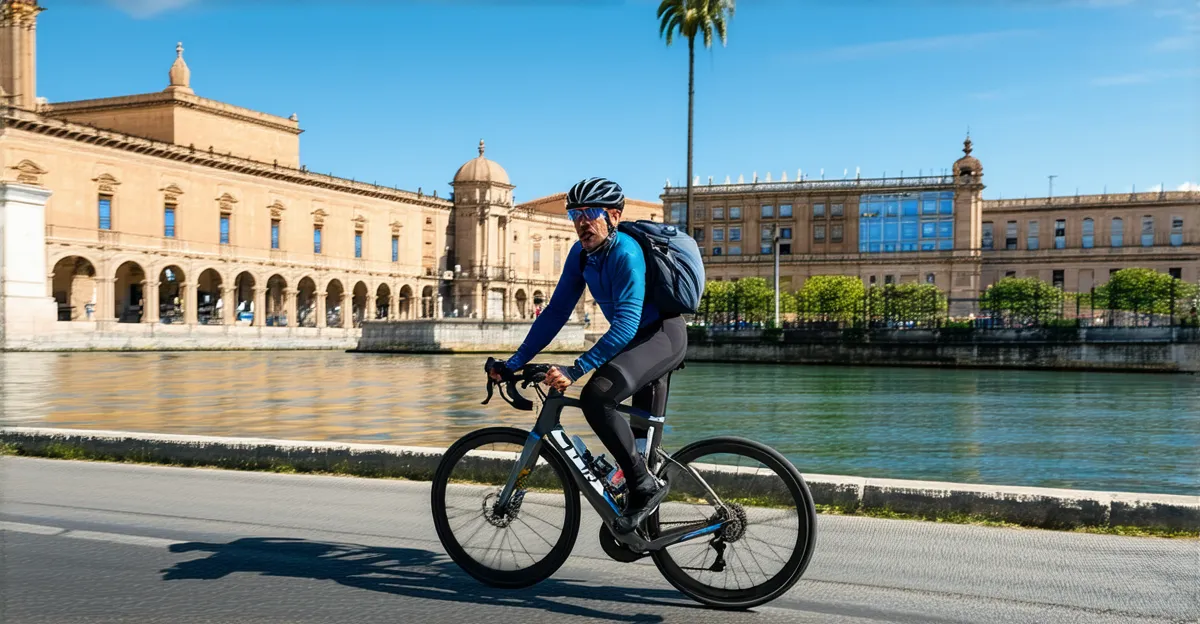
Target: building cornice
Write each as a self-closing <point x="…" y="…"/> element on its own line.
<point x="175" y="99"/>
<point x="1109" y="200"/>
<point x="12" y="118"/>
<point x="909" y="183"/>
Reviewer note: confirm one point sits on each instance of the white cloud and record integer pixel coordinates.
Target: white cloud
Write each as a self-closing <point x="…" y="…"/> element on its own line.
<point x="920" y="44"/>
<point x="149" y="8"/>
<point x="1189" y="186"/>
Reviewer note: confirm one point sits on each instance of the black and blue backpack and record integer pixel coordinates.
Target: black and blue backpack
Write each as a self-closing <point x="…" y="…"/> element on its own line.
<point x="674" y="267"/>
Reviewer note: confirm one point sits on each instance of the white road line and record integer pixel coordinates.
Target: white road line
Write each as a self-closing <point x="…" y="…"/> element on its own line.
<point x="36" y="529"/>
<point x="121" y="538"/>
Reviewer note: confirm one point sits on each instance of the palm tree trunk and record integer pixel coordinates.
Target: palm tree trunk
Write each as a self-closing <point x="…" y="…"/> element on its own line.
<point x="691" y="108"/>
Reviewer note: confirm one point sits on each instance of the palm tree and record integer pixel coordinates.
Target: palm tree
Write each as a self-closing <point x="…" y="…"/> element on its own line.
<point x="689" y="18"/>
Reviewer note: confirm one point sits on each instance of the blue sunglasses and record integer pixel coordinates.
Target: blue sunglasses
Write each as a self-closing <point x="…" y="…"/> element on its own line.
<point x="591" y="213"/>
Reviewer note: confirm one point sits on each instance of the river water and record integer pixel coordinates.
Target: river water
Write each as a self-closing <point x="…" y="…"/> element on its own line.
<point x="1098" y="431"/>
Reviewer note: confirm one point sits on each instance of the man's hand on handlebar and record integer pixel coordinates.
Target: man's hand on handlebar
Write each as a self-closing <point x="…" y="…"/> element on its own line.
<point x="558" y="380"/>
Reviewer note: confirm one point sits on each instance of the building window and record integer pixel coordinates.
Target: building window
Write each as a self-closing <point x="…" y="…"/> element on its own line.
<point x="1176" y="231"/>
<point x="358" y="244"/>
<point x="785" y="210"/>
<point x="818" y="210"/>
<point x="718" y="214"/>
<point x="169" y="221"/>
<point x="698" y="234"/>
<point x="1060" y="234"/>
<point x="105" y="209"/>
<point x="768" y="211"/>
<point x="718" y="235"/>
<point x="1176" y="272"/>
<point x="768" y="232"/>
<point x="716" y="251"/>
<point x="1010" y="235"/>
<point x="735" y="251"/>
<point x="698" y="215"/>
<point x="837" y="210"/>
<point x="785" y="249"/>
<point x="835" y="232"/>
<point x="702" y="252"/>
<point x="988" y="241"/>
<point x="316" y="239"/>
<point x="785" y="233"/>
<point x="891" y="222"/>
<point x="274" y="233"/>
<point x="1058" y="279"/>
<point x="819" y="233"/>
<point x="224" y="229"/>
<point x="1031" y="235"/>
<point x="887" y="279"/>
<point x="735" y="213"/>
<point x="678" y="211"/>
<point x="1008" y="274"/>
<point x="735" y="234"/>
<point x="1089" y="233"/>
<point x="767" y="249"/>
<point x="1118" y="232"/>
<point x="395" y="248"/>
<point x="1147" y="231"/>
<point x="537" y="258"/>
<point x="871" y="280"/>
<point x="557" y="256"/>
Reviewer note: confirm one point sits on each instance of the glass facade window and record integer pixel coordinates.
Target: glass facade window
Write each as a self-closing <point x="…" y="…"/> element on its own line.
<point x="224" y="229"/>
<point x="735" y="234"/>
<point x="1118" y="232"/>
<point x="1147" y="231"/>
<point x="898" y="222"/>
<point x="105" y="209"/>
<point x="1089" y="233"/>
<point x="1176" y="231"/>
<point x="735" y="212"/>
<point x="837" y="210"/>
<point x="988" y="235"/>
<point x="785" y="210"/>
<point x="1031" y="235"/>
<point x="1060" y="234"/>
<point x="169" y="221"/>
<point x="835" y="232"/>
<point x="1010" y="235"/>
<point x="274" y="233"/>
<point x="698" y="234"/>
<point x="718" y="214"/>
<point x="678" y="210"/>
<point x="316" y="239"/>
<point x="395" y="249"/>
<point x="358" y="244"/>
<point x="819" y="233"/>
<point x="818" y="210"/>
<point x="768" y="211"/>
<point x="718" y="235"/>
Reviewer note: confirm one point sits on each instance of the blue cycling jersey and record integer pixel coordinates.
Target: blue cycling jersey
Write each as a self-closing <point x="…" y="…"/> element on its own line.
<point x="617" y="279"/>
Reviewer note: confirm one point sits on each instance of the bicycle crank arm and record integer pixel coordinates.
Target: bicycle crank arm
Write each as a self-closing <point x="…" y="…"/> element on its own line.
<point x="636" y="542"/>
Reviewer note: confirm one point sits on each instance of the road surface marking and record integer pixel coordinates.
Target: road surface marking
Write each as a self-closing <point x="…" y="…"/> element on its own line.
<point x="36" y="529"/>
<point x="97" y="536"/>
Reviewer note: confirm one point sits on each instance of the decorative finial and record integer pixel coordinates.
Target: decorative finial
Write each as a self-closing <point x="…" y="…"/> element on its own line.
<point x="180" y="75"/>
<point x="179" y="49"/>
<point x="967" y="145"/>
<point x="480" y="148"/>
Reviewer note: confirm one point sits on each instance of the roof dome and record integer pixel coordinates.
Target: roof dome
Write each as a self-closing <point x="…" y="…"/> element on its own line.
<point x="481" y="169"/>
<point x="968" y="165"/>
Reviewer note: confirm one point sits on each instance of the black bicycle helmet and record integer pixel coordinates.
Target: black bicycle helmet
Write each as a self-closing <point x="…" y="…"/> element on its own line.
<point x="596" y="193"/>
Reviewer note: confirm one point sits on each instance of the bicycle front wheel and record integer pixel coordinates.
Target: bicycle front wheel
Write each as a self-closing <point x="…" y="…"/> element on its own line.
<point x="523" y="545"/>
<point x="770" y="523"/>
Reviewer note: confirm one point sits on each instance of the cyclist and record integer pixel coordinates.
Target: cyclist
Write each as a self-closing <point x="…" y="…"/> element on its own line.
<point x="635" y="355"/>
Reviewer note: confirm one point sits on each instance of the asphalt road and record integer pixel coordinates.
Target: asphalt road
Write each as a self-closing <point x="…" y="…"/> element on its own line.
<point x="90" y="542"/>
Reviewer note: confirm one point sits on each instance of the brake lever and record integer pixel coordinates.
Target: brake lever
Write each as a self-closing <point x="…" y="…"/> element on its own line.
<point x="490" y="383"/>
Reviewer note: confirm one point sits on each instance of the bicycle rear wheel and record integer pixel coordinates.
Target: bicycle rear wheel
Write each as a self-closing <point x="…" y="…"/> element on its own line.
<point x="770" y="530"/>
<point x="515" y="549"/>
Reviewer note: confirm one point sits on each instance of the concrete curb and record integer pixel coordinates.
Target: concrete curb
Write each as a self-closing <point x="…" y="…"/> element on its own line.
<point x="1028" y="506"/>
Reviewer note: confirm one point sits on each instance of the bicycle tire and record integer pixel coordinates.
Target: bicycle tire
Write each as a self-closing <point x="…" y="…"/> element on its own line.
<point x="794" y="567"/>
<point x="510" y="579"/>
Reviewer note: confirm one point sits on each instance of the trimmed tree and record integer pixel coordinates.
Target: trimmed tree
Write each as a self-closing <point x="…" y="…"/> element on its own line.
<point x="1022" y="301"/>
<point x="830" y="298"/>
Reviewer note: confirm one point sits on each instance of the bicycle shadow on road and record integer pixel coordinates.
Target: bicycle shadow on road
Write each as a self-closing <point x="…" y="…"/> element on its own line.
<point x="405" y="571"/>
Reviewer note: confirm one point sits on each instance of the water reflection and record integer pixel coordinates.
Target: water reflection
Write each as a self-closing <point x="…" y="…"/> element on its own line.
<point x="1092" y="431"/>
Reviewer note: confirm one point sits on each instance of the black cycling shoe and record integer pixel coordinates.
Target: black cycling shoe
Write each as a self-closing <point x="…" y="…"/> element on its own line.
<point x="639" y="505"/>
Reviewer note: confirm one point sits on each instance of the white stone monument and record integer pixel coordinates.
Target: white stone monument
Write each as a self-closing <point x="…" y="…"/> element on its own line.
<point x="26" y="311"/>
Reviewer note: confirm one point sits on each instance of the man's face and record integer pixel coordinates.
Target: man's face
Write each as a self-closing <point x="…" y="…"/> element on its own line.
<point x="593" y="231"/>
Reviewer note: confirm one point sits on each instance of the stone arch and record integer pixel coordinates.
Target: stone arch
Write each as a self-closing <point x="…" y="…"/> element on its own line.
<point x="383" y="302"/>
<point x="306" y="302"/>
<point x="129" y="292"/>
<point x="334" y="295"/>
<point x="428" y="302"/>
<point x="539" y="302"/>
<point x="244" y="286"/>
<point x="74" y="288"/>
<point x="358" y="303"/>
<point x="171" y="294"/>
<point x="522" y="301"/>
<point x="405" y="303"/>
<point x="210" y="294"/>
<point x="276" y="301"/>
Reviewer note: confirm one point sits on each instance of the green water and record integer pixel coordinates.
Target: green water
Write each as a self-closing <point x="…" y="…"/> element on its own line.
<point x="1099" y="431"/>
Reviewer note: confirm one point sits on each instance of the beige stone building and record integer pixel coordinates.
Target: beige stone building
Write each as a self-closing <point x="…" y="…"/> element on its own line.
<point x="170" y="208"/>
<point x="938" y="230"/>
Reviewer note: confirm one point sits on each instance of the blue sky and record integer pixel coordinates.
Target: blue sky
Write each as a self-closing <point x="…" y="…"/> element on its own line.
<point x="1101" y="93"/>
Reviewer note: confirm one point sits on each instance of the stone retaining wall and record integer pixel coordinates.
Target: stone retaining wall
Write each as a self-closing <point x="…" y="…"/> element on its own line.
<point x="461" y="336"/>
<point x="112" y="336"/>
<point x="1029" y="506"/>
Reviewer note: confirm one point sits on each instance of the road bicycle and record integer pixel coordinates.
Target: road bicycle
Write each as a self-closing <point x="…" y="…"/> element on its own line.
<point x="737" y="529"/>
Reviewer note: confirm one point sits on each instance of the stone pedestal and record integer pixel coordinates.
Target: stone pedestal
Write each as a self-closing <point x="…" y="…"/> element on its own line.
<point x="25" y="310"/>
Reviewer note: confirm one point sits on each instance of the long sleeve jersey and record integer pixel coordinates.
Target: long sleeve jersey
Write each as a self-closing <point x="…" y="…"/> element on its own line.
<point x="617" y="280"/>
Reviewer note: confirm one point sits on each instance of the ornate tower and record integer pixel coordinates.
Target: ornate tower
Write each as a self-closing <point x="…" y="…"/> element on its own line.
<point x="968" y="232"/>
<point x="18" y="52"/>
<point x="482" y="202"/>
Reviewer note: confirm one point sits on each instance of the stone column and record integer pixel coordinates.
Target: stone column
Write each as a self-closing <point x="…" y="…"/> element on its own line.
<point x="189" y="303"/>
<point x="347" y="309"/>
<point x="369" y="309"/>
<point x="150" y="312"/>
<point x="321" y="308"/>
<point x="25" y="310"/>
<point x="393" y="310"/>
<point x="228" y="304"/>
<point x="289" y="306"/>
<point x="260" y="307"/>
<point x="105" y="299"/>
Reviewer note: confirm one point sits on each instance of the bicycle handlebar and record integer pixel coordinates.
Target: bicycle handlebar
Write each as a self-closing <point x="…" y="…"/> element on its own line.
<point x="530" y="373"/>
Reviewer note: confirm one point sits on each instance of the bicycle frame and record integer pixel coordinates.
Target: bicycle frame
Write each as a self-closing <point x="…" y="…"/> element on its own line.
<point x="548" y="427"/>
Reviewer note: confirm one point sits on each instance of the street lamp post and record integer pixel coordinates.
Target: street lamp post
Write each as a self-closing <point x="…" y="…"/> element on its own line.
<point x="775" y="244"/>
